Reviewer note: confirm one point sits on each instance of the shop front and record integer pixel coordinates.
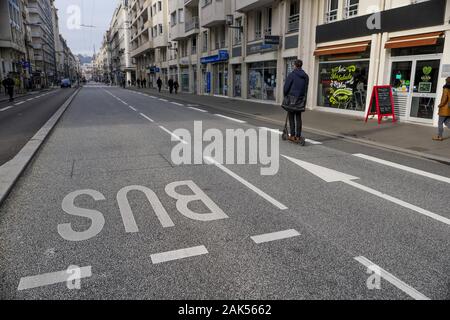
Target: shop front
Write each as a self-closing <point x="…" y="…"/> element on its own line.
<point x="237" y="80"/>
<point x="343" y="76"/>
<point x="215" y="73"/>
<point x="220" y="75"/>
<point x="415" y="63"/>
<point x="184" y="79"/>
<point x="262" y="80"/>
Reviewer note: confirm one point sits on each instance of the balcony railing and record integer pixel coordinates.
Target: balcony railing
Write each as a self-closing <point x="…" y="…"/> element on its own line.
<point x="192" y="24"/>
<point x="294" y="23"/>
<point x="351" y="11"/>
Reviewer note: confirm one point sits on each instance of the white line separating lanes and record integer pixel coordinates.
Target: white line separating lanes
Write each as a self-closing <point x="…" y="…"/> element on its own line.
<point x="404" y="168"/>
<point x="164" y="100"/>
<point x="173" y="135"/>
<point x="144" y="116"/>
<point x="46" y="279"/>
<point x="274" y="236"/>
<point x="229" y="118"/>
<point x="177" y="104"/>
<point x="19" y="103"/>
<point x="132" y="108"/>
<point x="178" y="254"/>
<point x="196" y="109"/>
<point x="7" y="108"/>
<point x="255" y="189"/>
<point x="413" y="293"/>
<point x="280" y="133"/>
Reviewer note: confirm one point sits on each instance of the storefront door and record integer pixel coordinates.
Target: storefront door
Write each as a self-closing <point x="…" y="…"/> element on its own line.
<point x="414" y="82"/>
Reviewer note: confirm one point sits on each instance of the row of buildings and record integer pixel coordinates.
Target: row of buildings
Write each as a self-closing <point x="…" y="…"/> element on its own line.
<point x="244" y="49"/>
<point x="31" y="49"/>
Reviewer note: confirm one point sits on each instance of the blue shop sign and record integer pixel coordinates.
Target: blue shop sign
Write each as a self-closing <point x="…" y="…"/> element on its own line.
<point x="222" y="56"/>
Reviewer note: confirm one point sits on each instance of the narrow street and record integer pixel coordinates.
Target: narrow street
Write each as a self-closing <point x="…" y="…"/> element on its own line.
<point x="104" y="194"/>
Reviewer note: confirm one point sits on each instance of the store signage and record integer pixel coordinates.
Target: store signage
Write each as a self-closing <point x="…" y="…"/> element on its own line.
<point x="185" y="61"/>
<point x="341" y="88"/>
<point x="261" y="48"/>
<point x="272" y="40"/>
<point x="382" y="103"/>
<point x="153" y="70"/>
<point x="222" y="56"/>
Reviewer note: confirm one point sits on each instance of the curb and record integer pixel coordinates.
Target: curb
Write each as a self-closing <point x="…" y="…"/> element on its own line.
<point x="12" y="170"/>
<point x="364" y="142"/>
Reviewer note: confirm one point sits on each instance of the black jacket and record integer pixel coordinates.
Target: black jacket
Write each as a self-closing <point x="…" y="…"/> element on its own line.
<point x="296" y="84"/>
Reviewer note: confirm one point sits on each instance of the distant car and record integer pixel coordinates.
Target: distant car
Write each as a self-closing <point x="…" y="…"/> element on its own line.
<point x="66" y="83"/>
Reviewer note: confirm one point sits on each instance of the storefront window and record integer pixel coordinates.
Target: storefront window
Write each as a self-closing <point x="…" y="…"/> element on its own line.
<point x="237" y="81"/>
<point x="262" y="80"/>
<point x="185" y="79"/>
<point x="221" y="79"/>
<point x="425" y="87"/>
<point x="343" y="85"/>
<point x="401" y="76"/>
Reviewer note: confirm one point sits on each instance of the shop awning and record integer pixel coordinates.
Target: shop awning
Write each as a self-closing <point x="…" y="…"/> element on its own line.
<point x="417" y="40"/>
<point x="354" y="47"/>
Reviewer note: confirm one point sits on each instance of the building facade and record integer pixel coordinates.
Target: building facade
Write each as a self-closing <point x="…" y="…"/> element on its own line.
<point x="16" y="52"/>
<point x="244" y="49"/>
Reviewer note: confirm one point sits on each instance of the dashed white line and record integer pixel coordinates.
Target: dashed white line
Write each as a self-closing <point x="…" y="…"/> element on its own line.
<point x="163" y="100"/>
<point x="153" y="97"/>
<point x="19" y="103"/>
<point x="177" y="104"/>
<point x="7" y="108"/>
<point x="178" y="254"/>
<point x="229" y="118"/>
<point x="132" y="108"/>
<point x="173" y="135"/>
<point x="196" y="109"/>
<point x="255" y="189"/>
<point x="404" y="168"/>
<point x="149" y="119"/>
<point x="392" y="279"/>
<point x="30" y="99"/>
<point x="51" y="278"/>
<point x="274" y="236"/>
<point x="280" y="133"/>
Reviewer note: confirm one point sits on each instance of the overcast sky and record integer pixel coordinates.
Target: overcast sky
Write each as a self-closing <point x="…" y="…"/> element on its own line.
<point x="93" y="12"/>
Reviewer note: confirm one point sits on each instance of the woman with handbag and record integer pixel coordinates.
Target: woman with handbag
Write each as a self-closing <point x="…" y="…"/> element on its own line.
<point x="294" y="102"/>
<point x="444" y="111"/>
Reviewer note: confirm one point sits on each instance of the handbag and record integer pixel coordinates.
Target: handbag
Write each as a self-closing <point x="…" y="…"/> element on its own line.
<point x="294" y="104"/>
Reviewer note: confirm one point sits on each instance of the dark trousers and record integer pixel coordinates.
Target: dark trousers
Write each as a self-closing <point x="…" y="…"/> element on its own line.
<point x="11" y="94"/>
<point x="159" y="88"/>
<point x="170" y="89"/>
<point x="295" y="124"/>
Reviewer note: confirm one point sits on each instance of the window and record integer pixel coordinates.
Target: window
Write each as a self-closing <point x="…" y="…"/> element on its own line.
<point x="173" y="19"/>
<point x="237" y="32"/>
<point x="331" y="10"/>
<point x="205" y="41"/>
<point x="351" y="8"/>
<point x="294" y="16"/>
<point x="160" y="29"/>
<point x="268" y="22"/>
<point x="258" y="25"/>
<point x="159" y="5"/>
<point x="180" y="16"/>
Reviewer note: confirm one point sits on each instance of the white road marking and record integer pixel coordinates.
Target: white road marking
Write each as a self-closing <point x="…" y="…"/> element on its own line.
<point x="413" y="293"/>
<point x="280" y="133"/>
<point x="404" y="168"/>
<point x="196" y="109"/>
<point x="177" y="104"/>
<point x="153" y="97"/>
<point x="229" y="118"/>
<point x="192" y="105"/>
<point x="173" y="135"/>
<point x="178" y="254"/>
<point x="30" y="99"/>
<point x="255" y="189"/>
<point x="274" y="236"/>
<point x="132" y="108"/>
<point x="19" y="103"/>
<point x="163" y="100"/>
<point x="149" y="119"/>
<point x="7" y="108"/>
<point x="329" y="175"/>
<point x="399" y="202"/>
<point x="51" y="278"/>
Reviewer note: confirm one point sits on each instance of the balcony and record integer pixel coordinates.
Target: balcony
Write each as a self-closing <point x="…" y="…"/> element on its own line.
<point x="177" y="32"/>
<point x="192" y="25"/>
<point x="214" y="12"/>
<point x="142" y="49"/>
<point x="247" y="5"/>
<point x="191" y="3"/>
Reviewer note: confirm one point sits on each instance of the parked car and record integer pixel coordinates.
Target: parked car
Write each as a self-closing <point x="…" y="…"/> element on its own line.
<point x="66" y="83"/>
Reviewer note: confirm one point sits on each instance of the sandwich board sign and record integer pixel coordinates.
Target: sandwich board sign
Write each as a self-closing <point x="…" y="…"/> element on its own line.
<point x="382" y="103"/>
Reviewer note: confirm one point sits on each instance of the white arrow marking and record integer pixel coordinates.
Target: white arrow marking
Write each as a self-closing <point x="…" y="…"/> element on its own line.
<point x="330" y="175"/>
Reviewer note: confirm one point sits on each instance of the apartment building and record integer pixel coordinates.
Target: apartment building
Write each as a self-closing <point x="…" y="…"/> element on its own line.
<point x="43" y="40"/>
<point x="15" y="41"/>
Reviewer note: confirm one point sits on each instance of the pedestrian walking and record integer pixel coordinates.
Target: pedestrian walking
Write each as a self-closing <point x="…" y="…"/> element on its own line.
<point x="129" y="83"/>
<point x="144" y="83"/>
<point x="295" y="96"/>
<point x="444" y="111"/>
<point x="176" y="86"/>
<point x="159" y="83"/>
<point x="9" y="83"/>
<point x="170" y="83"/>
<point x="139" y="83"/>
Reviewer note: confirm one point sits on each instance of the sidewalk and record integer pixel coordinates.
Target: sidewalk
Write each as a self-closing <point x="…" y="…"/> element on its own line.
<point x="4" y="97"/>
<point x="404" y="137"/>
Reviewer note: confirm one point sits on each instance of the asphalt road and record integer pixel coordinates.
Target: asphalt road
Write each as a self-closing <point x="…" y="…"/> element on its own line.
<point x="21" y="119"/>
<point x="304" y="233"/>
